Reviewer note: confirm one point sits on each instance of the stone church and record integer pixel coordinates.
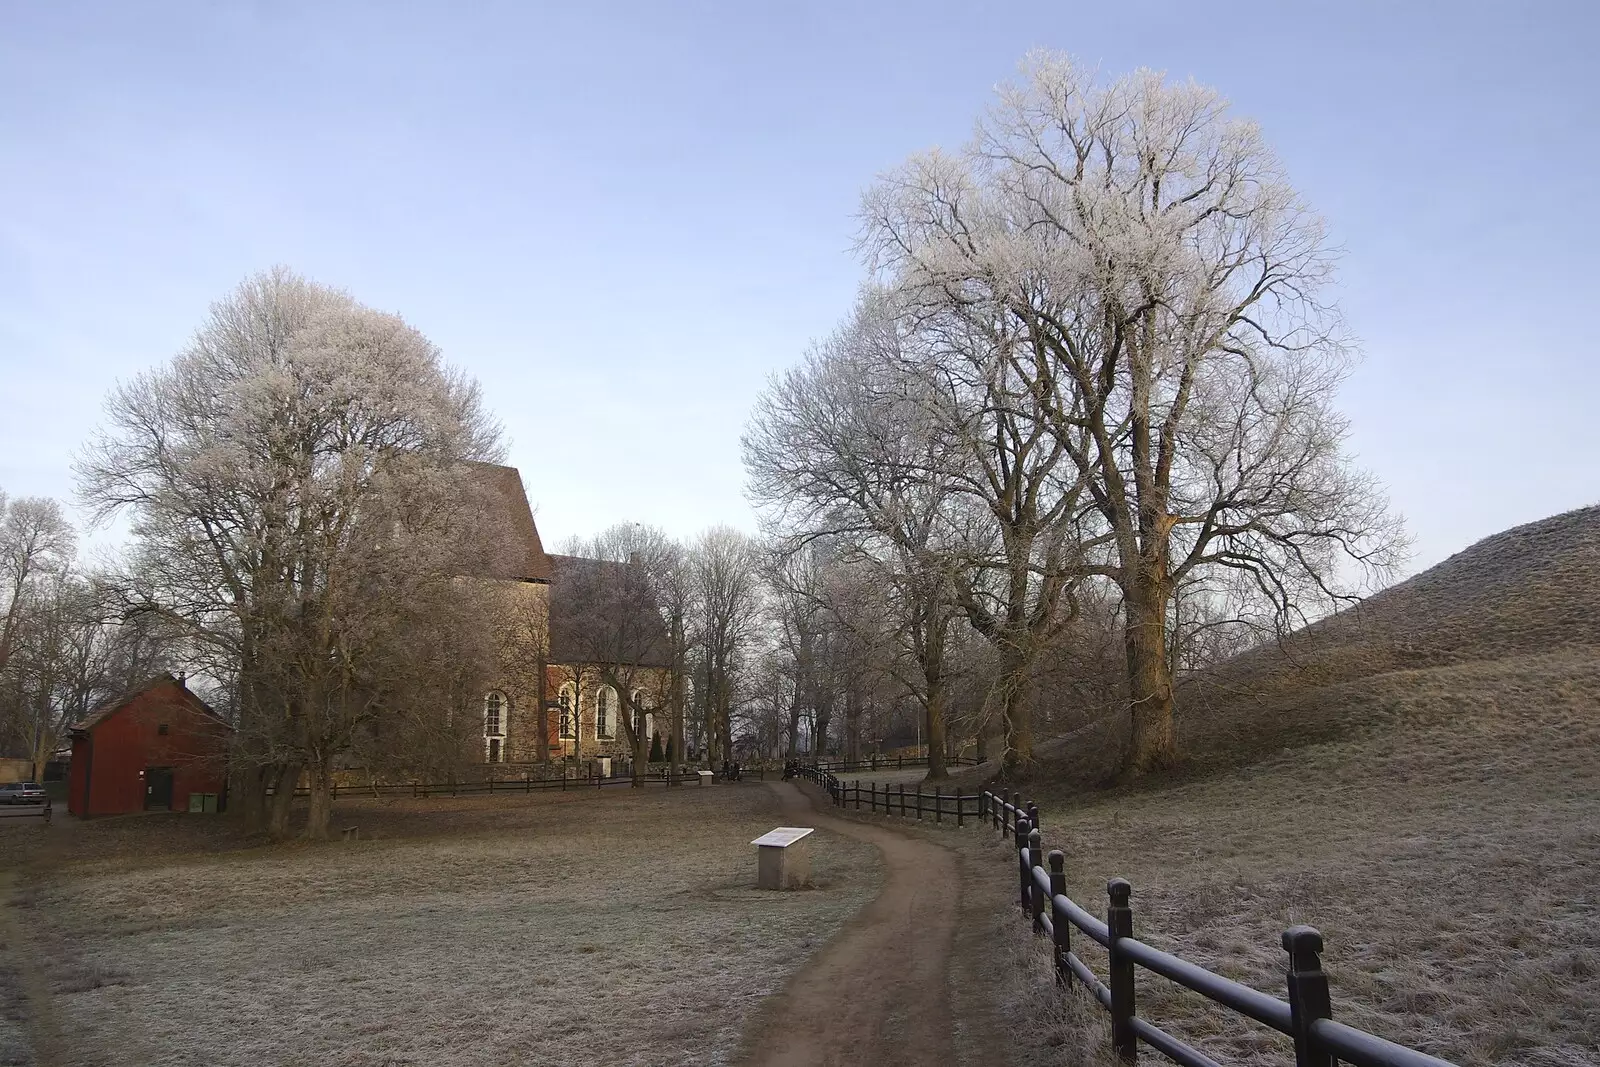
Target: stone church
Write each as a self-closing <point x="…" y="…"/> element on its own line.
<point x="569" y="642"/>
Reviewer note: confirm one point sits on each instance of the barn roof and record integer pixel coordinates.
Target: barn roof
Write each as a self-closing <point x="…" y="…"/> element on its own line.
<point x="519" y="555"/>
<point x="108" y="708"/>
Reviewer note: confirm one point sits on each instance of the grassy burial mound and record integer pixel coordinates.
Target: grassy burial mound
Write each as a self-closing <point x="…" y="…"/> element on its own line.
<point x="1419" y="777"/>
<point x="616" y="928"/>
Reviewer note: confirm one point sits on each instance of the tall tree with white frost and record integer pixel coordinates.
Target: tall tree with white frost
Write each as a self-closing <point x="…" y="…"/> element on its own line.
<point x="1146" y="248"/>
<point x="293" y="480"/>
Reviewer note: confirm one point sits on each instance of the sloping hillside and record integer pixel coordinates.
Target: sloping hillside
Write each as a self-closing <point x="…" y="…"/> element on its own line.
<point x="1531" y="591"/>
<point x="1418" y="777"/>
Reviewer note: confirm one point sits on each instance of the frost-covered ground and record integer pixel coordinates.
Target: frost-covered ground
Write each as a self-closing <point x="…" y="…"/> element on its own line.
<point x="619" y="928"/>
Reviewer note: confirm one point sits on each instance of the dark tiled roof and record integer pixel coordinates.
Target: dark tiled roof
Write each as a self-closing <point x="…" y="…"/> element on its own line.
<point x="602" y="611"/>
<point x="105" y="710"/>
<point x="518" y="554"/>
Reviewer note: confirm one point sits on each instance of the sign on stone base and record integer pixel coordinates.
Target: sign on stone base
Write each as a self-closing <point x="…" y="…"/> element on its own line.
<point x="783" y="858"/>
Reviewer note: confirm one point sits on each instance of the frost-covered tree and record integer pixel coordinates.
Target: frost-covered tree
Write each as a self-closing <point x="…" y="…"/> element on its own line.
<point x="1158" y="282"/>
<point x="297" y="508"/>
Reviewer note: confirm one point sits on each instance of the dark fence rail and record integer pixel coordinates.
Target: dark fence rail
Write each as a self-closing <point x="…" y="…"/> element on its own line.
<point x="1305" y="1017"/>
<point x="893" y="800"/>
<point x="513" y="785"/>
<point x="40" y="810"/>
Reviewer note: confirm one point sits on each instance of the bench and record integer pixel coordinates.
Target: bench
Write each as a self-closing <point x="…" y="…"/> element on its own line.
<point x="783" y="858"/>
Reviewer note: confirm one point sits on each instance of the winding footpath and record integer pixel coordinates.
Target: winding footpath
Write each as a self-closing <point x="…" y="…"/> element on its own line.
<point x="878" y="993"/>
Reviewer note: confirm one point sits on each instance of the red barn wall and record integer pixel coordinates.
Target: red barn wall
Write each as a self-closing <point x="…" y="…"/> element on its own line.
<point x="108" y="761"/>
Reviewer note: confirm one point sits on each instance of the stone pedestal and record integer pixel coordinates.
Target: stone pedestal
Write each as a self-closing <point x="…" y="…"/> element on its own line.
<point x="783" y="858"/>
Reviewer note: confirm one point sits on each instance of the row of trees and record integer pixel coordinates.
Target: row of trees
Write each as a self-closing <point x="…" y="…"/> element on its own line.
<point x="1088" y="385"/>
<point x="784" y="649"/>
<point x="770" y="653"/>
<point x="299" y="487"/>
<point x="65" y="644"/>
<point x="1081" y="414"/>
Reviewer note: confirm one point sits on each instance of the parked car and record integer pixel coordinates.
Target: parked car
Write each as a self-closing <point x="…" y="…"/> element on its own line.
<point x="22" y="793"/>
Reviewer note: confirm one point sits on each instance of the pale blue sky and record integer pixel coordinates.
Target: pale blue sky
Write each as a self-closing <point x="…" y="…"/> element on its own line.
<point x="622" y="217"/>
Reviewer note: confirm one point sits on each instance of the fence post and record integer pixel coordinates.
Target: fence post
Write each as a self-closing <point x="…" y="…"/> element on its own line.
<point x="938" y="805"/>
<point x="1026" y="876"/>
<point x="1308" y="994"/>
<point x="1119" y="924"/>
<point x="961" y="808"/>
<point x="1036" y="900"/>
<point x="1017" y="812"/>
<point x="872" y="797"/>
<point x="919" y="803"/>
<point x="1033" y="814"/>
<point x="1059" y="923"/>
<point x="902" y="801"/>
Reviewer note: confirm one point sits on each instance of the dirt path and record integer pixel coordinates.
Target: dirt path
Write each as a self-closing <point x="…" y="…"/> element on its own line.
<point x="878" y="993"/>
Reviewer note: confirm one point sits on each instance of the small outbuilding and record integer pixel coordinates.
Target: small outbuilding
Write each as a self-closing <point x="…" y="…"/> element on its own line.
<point x="149" y="750"/>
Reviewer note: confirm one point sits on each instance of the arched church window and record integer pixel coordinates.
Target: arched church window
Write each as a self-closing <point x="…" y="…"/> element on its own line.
<point x="496" y="710"/>
<point x="605" y="715"/>
<point x="569" y="711"/>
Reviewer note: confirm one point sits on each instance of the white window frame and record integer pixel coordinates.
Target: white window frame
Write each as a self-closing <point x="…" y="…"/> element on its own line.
<point x="605" y="712"/>
<point x="568" y="695"/>
<point x="498" y="731"/>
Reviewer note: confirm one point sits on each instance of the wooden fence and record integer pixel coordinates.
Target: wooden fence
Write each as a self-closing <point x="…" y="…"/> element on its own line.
<point x="523" y="785"/>
<point x="27" y="811"/>
<point x="1306" y="1017"/>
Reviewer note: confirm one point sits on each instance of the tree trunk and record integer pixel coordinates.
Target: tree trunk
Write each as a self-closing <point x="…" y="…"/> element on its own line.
<point x="641" y="750"/>
<point x="247" y="797"/>
<point x="542" y="747"/>
<point x="852" y="724"/>
<point x="1152" y="745"/>
<point x="319" y="817"/>
<point x="794" y="726"/>
<point x="285" y="778"/>
<point x="935" y="713"/>
<point x="675" y="743"/>
<point x="1016" y="718"/>
<point x="724" y="720"/>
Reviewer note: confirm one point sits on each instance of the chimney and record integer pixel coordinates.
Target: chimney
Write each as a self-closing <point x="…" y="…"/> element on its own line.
<point x="182" y="679"/>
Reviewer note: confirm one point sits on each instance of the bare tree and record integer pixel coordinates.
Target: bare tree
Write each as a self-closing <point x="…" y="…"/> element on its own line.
<point x="37" y="545"/>
<point x="725" y="612"/>
<point x="910" y="434"/>
<point x="606" y="609"/>
<point x="1159" y="284"/>
<point x="293" y="481"/>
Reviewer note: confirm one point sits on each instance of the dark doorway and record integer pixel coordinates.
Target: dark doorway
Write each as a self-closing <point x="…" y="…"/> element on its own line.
<point x="158" y="789"/>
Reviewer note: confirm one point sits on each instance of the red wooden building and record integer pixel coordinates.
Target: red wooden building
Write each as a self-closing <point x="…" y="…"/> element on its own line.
<point x="147" y="751"/>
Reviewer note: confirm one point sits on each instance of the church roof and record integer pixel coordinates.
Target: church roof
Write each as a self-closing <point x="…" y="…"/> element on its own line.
<point x="519" y="555"/>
